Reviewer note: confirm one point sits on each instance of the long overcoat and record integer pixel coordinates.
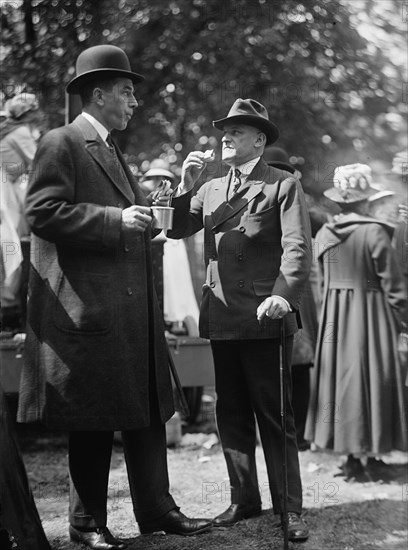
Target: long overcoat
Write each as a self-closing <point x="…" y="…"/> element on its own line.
<point x="256" y="244"/>
<point x="95" y="331"/>
<point x="357" y="402"/>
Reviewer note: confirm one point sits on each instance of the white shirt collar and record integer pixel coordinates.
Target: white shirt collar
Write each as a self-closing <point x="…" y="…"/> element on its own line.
<point x="247" y="167"/>
<point x="100" y="128"/>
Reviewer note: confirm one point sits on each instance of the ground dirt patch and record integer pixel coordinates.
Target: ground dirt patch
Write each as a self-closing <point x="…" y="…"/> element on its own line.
<point x="341" y="515"/>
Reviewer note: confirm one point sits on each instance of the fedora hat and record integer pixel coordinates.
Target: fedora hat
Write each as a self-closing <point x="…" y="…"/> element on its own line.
<point x="100" y="61"/>
<point x="252" y="113"/>
<point x="354" y="183"/>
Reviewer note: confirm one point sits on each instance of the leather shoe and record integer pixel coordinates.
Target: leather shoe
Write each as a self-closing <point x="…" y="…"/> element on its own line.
<point x="235" y="513"/>
<point x="297" y="528"/>
<point x="100" y="539"/>
<point x="177" y="523"/>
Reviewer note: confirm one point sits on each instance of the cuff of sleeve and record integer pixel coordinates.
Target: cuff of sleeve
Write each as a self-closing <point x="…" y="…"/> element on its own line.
<point x="285" y="301"/>
<point x="112" y="227"/>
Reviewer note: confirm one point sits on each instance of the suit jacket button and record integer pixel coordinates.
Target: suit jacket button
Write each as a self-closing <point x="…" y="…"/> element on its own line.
<point x="242" y="229"/>
<point x="240" y="257"/>
<point x="126" y="248"/>
<point x="129" y="291"/>
<point x="120" y="205"/>
<point x="241" y="283"/>
<point x="212" y="285"/>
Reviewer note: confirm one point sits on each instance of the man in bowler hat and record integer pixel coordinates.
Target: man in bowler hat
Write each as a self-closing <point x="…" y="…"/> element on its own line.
<point x="258" y="256"/>
<point x="96" y="356"/>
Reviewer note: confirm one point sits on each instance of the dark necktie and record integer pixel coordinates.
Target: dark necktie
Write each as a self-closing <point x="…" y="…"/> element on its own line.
<point x="116" y="160"/>
<point x="236" y="180"/>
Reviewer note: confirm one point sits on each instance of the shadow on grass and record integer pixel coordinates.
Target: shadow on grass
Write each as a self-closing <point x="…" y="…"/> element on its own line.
<point x="364" y="525"/>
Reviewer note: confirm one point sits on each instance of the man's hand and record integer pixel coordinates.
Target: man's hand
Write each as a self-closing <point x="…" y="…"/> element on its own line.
<point x="162" y="195"/>
<point x="136" y="218"/>
<point x="274" y="307"/>
<point x="191" y="170"/>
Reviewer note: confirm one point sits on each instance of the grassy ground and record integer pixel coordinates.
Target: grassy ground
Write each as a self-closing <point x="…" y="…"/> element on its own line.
<point x="341" y="515"/>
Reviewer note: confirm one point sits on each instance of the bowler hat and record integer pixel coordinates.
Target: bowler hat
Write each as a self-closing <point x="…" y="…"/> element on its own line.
<point x="278" y="158"/>
<point x="252" y="113"/>
<point x="100" y="61"/>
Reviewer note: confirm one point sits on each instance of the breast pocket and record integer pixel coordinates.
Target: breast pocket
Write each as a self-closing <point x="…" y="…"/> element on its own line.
<point x="83" y="303"/>
<point x="263" y="224"/>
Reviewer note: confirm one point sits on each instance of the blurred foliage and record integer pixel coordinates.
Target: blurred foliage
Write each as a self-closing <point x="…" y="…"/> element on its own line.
<point x="331" y="73"/>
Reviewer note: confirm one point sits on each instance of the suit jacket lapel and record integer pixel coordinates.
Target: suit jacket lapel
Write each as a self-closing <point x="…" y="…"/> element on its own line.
<point x="97" y="149"/>
<point x="249" y="190"/>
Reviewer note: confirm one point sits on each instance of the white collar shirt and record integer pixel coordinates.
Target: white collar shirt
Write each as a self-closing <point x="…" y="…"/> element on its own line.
<point x="100" y="128"/>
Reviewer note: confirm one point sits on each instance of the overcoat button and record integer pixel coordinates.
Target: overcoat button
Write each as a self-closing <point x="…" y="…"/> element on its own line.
<point x="242" y="229"/>
<point x="129" y="291"/>
<point x="241" y="283"/>
<point x="212" y="285"/>
<point x="240" y="257"/>
<point x="120" y="205"/>
<point x="126" y="248"/>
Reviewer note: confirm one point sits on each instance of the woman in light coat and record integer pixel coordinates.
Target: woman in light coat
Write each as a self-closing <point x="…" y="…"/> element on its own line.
<point x="19" y="135"/>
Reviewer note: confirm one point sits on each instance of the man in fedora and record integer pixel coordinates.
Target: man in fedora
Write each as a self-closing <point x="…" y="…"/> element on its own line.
<point x="258" y="256"/>
<point x="96" y="356"/>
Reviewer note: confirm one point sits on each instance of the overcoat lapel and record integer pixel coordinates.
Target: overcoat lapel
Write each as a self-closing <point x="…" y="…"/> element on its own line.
<point x="97" y="149"/>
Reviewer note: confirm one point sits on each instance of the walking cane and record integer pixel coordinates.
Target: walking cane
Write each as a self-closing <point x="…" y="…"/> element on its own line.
<point x="283" y="393"/>
<point x="179" y="390"/>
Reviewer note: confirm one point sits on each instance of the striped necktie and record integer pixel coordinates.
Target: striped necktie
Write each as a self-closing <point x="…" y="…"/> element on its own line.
<point x="236" y="180"/>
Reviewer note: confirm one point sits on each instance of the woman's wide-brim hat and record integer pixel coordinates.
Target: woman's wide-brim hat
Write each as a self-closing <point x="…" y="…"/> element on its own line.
<point x="20" y="104"/>
<point x="353" y="183"/>
<point x="104" y="60"/>
<point x="252" y="113"/>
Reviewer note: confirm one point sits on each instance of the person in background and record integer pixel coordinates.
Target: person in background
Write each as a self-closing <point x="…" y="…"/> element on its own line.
<point x="258" y="255"/>
<point x="19" y="136"/>
<point x="179" y="301"/>
<point x="304" y="343"/>
<point x="357" y="402"/>
<point x="96" y="359"/>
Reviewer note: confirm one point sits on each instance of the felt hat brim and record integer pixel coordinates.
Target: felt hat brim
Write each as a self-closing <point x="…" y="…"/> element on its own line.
<point x="283" y="166"/>
<point x="266" y="126"/>
<point x="77" y="83"/>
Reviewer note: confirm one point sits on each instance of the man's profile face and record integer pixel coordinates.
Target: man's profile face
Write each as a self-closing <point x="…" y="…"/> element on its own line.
<point x="241" y="143"/>
<point x="118" y="104"/>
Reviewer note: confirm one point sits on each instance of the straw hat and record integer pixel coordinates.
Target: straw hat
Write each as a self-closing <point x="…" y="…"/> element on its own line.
<point x="354" y="183"/>
<point x="20" y="104"/>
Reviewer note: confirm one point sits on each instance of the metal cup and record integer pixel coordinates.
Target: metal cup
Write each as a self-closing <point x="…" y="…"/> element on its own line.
<point x="162" y="217"/>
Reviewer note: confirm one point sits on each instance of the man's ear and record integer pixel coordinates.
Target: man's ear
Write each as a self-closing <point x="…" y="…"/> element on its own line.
<point x="260" y="140"/>
<point x="97" y="96"/>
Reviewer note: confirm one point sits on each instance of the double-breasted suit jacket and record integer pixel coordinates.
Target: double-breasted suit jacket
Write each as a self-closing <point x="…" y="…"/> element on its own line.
<point x="93" y="317"/>
<point x="255" y="245"/>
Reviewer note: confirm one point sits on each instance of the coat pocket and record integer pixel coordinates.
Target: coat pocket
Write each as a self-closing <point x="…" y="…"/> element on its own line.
<point x="83" y="303"/>
<point x="264" y="287"/>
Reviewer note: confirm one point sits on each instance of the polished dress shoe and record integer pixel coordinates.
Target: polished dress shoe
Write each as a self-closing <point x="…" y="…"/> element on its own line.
<point x="235" y="513"/>
<point x="176" y="523"/>
<point x="297" y="528"/>
<point x="100" y="539"/>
